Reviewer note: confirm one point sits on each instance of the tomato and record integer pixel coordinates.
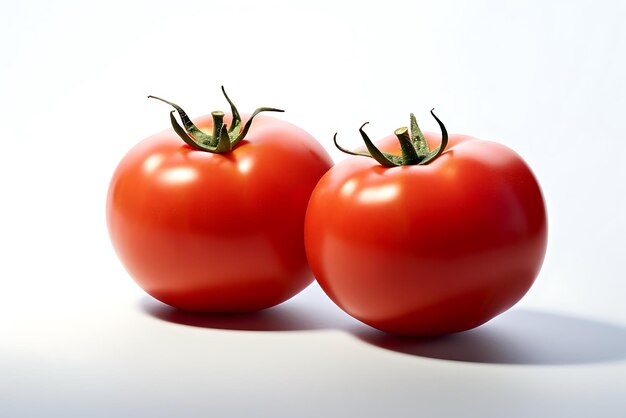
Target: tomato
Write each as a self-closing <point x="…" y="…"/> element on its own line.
<point x="211" y="230"/>
<point x="427" y="248"/>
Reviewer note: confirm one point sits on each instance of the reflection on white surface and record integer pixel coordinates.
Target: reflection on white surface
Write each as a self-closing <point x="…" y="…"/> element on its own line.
<point x="179" y="175"/>
<point x="378" y="194"/>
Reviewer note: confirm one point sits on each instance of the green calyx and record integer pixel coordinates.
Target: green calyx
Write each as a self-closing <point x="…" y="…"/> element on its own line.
<point x="223" y="138"/>
<point x="415" y="149"/>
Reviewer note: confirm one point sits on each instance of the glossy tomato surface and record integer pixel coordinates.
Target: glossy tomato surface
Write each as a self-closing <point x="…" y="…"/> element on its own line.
<point x="217" y="233"/>
<point x="428" y="249"/>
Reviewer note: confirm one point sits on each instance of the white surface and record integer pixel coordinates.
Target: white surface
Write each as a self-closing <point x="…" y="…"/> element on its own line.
<point x="78" y="338"/>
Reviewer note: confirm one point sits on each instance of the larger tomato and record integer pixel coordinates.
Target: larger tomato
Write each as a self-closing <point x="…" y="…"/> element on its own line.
<point x="211" y="229"/>
<point x="431" y="242"/>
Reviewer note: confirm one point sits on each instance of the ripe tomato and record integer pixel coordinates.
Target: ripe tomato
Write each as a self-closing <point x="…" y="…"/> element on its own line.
<point x="427" y="249"/>
<point x="217" y="232"/>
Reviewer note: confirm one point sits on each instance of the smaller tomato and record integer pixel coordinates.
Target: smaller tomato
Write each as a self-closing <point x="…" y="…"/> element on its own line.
<point x="426" y="242"/>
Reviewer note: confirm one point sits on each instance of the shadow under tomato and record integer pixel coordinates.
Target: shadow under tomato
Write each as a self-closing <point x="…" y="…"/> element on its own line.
<point x="519" y="336"/>
<point x="284" y="317"/>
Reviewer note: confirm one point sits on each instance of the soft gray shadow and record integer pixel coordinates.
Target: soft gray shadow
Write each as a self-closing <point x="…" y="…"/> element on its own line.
<point x="284" y="317"/>
<point x="518" y="336"/>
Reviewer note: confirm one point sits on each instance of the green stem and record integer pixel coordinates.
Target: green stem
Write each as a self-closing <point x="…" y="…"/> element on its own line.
<point x="218" y="122"/>
<point x="236" y="122"/>
<point x="377" y="154"/>
<point x="184" y="135"/>
<point x="195" y="133"/>
<point x="415" y="150"/>
<point x="409" y="153"/>
<point x="246" y="127"/>
<point x="223" y="144"/>
<point x="221" y="140"/>
<point x="444" y="142"/>
<point x="420" y="143"/>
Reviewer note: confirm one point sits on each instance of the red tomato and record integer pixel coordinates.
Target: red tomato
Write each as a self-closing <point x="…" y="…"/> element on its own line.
<point x="430" y="249"/>
<point x="213" y="232"/>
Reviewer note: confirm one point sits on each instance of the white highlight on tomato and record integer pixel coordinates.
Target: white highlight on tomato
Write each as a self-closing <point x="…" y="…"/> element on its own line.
<point x="178" y="175"/>
<point x="348" y="188"/>
<point x="378" y="194"/>
<point x="152" y="163"/>
<point x="245" y="165"/>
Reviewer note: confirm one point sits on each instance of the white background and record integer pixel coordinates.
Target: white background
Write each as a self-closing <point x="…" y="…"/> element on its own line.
<point x="79" y="338"/>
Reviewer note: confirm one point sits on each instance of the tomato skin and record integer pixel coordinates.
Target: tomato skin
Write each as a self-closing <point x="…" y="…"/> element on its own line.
<point x="209" y="232"/>
<point x="432" y="249"/>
